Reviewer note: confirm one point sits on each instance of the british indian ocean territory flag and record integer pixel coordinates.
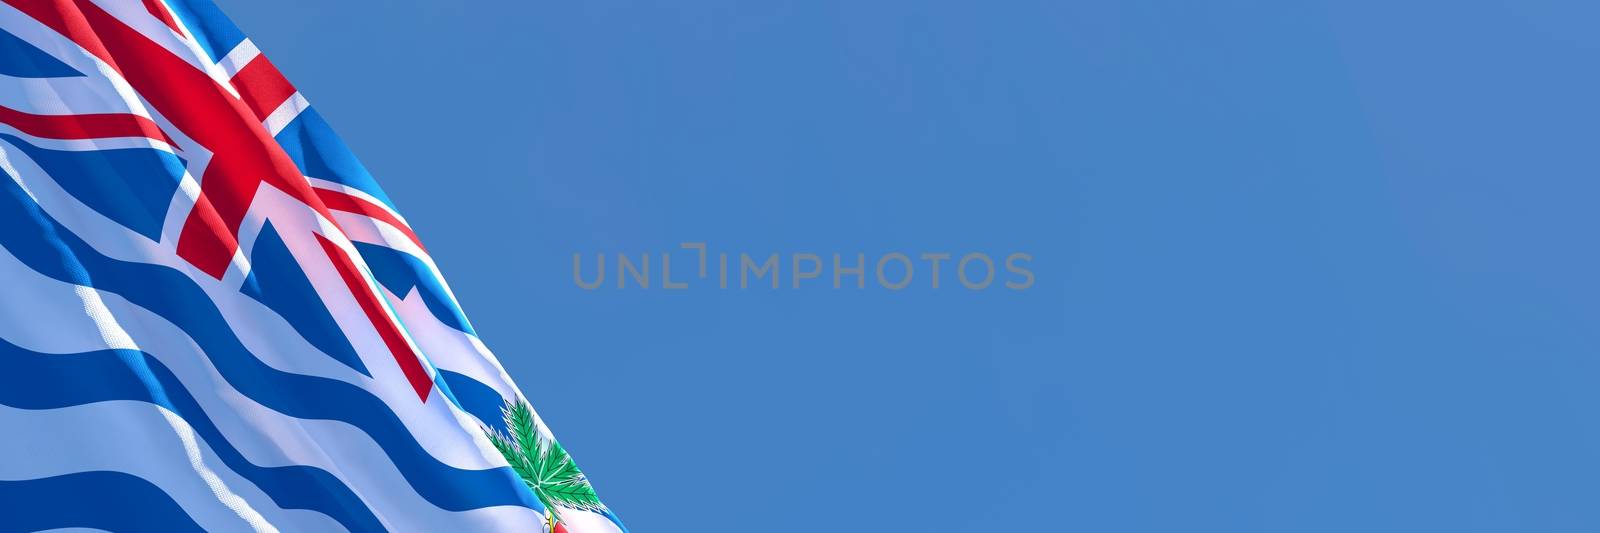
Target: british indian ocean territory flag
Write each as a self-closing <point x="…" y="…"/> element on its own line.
<point x="212" y="318"/>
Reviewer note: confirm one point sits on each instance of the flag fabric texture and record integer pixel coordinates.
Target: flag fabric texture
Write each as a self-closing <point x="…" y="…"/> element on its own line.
<point x="211" y="316"/>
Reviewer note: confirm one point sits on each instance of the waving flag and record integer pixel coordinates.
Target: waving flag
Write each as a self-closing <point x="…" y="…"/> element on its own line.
<point x="211" y="316"/>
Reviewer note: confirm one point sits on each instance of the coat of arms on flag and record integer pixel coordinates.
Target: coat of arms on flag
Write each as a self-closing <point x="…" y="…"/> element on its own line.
<point x="213" y="318"/>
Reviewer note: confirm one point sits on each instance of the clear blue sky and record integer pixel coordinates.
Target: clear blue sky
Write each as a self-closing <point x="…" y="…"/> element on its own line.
<point x="1318" y="266"/>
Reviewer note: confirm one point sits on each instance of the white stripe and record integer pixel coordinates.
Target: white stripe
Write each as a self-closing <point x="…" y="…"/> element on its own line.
<point x="237" y="58"/>
<point x="449" y="348"/>
<point x="148" y="442"/>
<point x="370" y="230"/>
<point x="352" y="191"/>
<point x="285" y="113"/>
<point x="87" y="145"/>
<point x="62" y="96"/>
<point x="587" y="521"/>
<point x="362" y="228"/>
<point x="265" y="437"/>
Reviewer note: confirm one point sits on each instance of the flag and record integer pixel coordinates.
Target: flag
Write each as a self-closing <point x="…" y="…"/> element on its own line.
<point x="213" y="318"/>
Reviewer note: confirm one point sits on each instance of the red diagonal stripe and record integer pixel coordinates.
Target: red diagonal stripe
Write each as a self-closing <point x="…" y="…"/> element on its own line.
<point x="86" y="126"/>
<point x="262" y="87"/>
<point x="374" y="309"/>
<point x="160" y="11"/>
<point x="349" y="203"/>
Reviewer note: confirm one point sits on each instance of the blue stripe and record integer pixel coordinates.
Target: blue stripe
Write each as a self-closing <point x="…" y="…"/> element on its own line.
<point x="112" y="501"/>
<point x="476" y="398"/>
<point x="277" y="281"/>
<point x="400" y="272"/>
<point x="217" y="34"/>
<point x="52" y="381"/>
<point x="132" y="186"/>
<point x="321" y="154"/>
<point x="23" y="60"/>
<point x="42" y="244"/>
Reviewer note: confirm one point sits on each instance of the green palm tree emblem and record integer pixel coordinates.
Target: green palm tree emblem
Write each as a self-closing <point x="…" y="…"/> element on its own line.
<point x="542" y="463"/>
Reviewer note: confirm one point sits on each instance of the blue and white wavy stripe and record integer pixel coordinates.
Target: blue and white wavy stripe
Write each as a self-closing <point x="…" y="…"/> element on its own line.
<point x="38" y="241"/>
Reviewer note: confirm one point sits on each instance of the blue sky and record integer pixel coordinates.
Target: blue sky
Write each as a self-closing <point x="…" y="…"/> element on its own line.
<point x="1301" y="266"/>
